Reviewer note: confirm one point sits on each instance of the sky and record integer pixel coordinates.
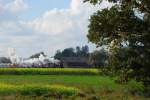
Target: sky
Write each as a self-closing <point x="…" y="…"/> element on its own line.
<point x="32" y="26"/>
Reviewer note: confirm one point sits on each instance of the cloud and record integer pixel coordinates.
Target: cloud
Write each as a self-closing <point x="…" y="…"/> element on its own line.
<point x="10" y="23"/>
<point x="52" y="30"/>
<point x="58" y="21"/>
<point x="1" y="8"/>
<point x="52" y="22"/>
<point x="16" y="6"/>
<point x="76" y="5"/>
<point x="65" y="27"/>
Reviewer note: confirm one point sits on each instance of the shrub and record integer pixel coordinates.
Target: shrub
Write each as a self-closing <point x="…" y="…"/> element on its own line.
<point x="135" y="87"/>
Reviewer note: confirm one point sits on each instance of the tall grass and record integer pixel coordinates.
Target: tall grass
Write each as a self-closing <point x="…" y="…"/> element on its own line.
<point x="48" y="71"/>
<point x="32" y="89"/>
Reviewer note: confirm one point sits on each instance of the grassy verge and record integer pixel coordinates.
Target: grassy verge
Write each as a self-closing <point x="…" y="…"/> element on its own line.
<point x="48" y="71"/>
<point x="33" y="89"/>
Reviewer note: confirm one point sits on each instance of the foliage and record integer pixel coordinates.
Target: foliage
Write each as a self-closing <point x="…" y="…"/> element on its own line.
<point x="98" y="58"/>
<point x="68" y="52"/>
<point x="135" y="87"/>
<point x="84" y="51"/>
<point x="37" y="55"/>
<point x="4" y="60"/>
<point x="125" y="29"/>
<point x="48" y="71"/>
<point x="71" y="52"/>
<point x="58" y="55"/>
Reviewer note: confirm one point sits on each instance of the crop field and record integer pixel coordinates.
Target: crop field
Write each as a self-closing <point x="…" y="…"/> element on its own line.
<point x="69" y="84"/>
<point x="48" y="71"/>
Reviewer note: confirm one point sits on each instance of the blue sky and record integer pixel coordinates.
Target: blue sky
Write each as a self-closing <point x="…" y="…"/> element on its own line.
<point x="37" y="8"/>
<point x="32" y="26"/>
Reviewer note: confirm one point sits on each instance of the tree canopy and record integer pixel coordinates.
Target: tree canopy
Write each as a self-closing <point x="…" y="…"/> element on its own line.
<point x="73" y="52"/>
<point x="37" y="55"/>
<point x="125" y="29"/>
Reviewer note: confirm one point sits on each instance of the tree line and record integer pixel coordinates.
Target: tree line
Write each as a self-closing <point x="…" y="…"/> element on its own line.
<point x="97" y="58"/>
<point x="73" y="52"/>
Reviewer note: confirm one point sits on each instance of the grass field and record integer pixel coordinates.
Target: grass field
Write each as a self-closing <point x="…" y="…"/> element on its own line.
<point x="79" y="87"/>
<point x="83" y="81"/>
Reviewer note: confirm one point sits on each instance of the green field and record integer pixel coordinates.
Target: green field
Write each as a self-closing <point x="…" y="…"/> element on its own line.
<point x="65" y="87"/>
<point x="83" y="81"/>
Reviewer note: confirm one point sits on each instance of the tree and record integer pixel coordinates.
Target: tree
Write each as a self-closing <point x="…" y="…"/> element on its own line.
<point x="85" y="51"/>
<point x="82" y="52"/>
<point x="125" y="29"/>
<point x="58" y="55"/>
<point x="98" y="58"/>
<point x="68" y="52"/>
<point x="4" y="60"/>
<point x="37" y="55"/>
<point x="78" y="51"/>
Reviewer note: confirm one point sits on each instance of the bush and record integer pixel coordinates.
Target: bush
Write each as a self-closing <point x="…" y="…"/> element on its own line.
<point x="135" y="87"/>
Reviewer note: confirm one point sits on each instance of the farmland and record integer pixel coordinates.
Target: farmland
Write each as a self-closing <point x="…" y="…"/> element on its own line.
<point x="48" y="71"/>
<point x="67" y="85"/>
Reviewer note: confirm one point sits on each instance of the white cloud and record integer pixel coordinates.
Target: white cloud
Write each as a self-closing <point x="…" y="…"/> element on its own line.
<point x="65" y="27"/>
<point x="58" y="21"/>
<point x="76" y="5"/>
<point x="52" y="22"/>
<point x="16" y="6"/>
<point x="9" y="21"/>
<point x="54" y="29"/>
<point x="1" y="8"/>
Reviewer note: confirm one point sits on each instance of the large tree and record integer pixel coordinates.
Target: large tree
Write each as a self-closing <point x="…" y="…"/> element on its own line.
<point x="125" y="29"/>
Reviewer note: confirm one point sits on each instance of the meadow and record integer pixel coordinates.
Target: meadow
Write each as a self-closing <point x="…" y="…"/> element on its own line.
<point x="69" y="84"/>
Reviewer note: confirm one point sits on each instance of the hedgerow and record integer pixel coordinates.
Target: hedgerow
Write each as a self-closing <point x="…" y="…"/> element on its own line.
<point x="48" y="71"/>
